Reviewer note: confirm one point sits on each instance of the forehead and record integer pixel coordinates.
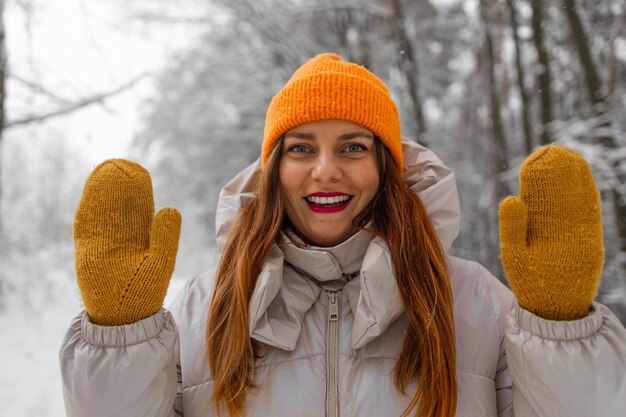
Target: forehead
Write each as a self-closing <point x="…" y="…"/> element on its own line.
<point x="333" y="128"/>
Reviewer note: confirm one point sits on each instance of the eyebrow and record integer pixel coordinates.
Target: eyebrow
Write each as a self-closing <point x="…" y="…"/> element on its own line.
<point x="345" y="136"/>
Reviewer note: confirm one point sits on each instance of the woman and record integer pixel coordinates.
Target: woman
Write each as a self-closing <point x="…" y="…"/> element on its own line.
<point x="334" y="295"/>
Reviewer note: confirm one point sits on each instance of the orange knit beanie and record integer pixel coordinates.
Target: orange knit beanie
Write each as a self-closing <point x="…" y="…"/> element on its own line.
<point x="325" y="88"/>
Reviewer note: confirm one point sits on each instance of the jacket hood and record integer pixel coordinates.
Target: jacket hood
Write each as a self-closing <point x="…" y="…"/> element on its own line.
<point x="361" y="266"/>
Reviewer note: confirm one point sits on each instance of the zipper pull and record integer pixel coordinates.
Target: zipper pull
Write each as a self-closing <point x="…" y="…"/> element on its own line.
<point x="334" y="306"/>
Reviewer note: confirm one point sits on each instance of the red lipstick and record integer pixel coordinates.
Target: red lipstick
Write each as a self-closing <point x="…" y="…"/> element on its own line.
<point x="328" y="207"/>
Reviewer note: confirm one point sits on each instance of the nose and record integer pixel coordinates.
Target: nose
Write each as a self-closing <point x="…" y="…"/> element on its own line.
<point x="326" y="169"/>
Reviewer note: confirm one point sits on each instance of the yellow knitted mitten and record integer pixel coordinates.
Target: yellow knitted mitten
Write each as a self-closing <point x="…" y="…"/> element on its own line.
<point x="551" y="236"/>
<point x="124" y="254"/>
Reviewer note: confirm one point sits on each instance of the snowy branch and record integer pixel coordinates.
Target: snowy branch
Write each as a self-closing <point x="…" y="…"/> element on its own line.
<point x="38" y="88"/>
<point x="97" y="98"/>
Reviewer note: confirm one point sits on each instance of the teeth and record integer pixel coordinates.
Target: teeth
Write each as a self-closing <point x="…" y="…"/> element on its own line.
<point x="328" y="200"/>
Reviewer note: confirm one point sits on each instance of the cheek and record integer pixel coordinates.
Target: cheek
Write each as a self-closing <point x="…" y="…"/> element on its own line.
<point x="369" y="184"/>
<point x="289" y="181"/>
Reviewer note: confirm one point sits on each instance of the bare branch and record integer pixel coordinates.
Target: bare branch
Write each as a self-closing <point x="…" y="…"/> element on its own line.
<point x="98" y="98"/>
<point x="159" y="18"/>
<point x="37" y="88"/>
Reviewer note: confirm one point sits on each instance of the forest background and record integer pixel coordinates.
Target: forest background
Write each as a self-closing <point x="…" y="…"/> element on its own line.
<point x="182" y="88"/>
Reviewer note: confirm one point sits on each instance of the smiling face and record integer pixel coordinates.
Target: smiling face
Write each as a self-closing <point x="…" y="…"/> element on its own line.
<point x="329" y="174"/>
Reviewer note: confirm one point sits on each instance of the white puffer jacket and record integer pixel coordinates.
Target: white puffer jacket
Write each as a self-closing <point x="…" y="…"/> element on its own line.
<point x="330" y="324"/>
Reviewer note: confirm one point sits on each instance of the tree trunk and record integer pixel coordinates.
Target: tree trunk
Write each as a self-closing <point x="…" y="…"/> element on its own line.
<point x="3" y="67"/>
<point x="592" y="81"/>
<point x="408" y="66"/>
<point x="612" y="73"/>
<point x="528" y="137"/>
<point x="499" y="157"/>
<point x="346" y="20"/>
<point x="593" y="84"/>
<point x="544" y="78"/>
<point x="500" y="153"/>
<point x="594" y="91"/>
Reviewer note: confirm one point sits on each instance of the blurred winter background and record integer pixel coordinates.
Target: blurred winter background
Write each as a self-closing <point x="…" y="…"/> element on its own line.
<point x="182" y="88"/>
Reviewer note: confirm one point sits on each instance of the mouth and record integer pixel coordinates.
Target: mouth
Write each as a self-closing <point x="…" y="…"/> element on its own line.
<point x="328" y="202"/>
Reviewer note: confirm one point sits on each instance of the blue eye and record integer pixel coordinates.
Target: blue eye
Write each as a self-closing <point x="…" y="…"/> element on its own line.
<point x="355" y="147"/>
<point x="299" y="149"/>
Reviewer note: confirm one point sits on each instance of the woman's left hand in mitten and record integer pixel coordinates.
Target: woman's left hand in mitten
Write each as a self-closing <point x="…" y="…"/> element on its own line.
<point x="551" y="235"/>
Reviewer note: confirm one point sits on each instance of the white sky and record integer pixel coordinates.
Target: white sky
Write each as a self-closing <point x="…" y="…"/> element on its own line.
<point x="79" y="48"/>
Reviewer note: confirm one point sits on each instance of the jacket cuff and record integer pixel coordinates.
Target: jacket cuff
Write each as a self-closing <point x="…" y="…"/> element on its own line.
<point x="558" y="330"/>
<point x="125" y="335"/>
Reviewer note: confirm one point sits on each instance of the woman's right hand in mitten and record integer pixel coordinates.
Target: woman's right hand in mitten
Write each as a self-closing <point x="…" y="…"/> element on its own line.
<point x="124" y="254"/>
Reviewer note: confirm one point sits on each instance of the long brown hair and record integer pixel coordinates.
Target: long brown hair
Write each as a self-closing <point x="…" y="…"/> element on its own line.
<point x="397" y="215"/>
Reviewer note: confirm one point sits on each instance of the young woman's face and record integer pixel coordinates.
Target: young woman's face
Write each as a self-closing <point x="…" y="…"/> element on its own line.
<point x="329" y="174"/>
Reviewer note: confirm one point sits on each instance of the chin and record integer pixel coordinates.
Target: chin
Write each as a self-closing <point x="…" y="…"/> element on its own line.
<point x="331" y="240"/>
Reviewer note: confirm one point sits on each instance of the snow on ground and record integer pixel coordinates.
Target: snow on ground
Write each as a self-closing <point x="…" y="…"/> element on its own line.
<point x="30" y="381"/>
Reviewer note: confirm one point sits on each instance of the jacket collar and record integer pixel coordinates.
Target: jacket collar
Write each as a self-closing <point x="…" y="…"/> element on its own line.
<point x="293" y="278"/>
<point x="326" y="264"/>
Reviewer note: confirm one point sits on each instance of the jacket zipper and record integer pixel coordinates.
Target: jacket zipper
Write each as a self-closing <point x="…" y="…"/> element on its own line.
<point x="331" y="355"/>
